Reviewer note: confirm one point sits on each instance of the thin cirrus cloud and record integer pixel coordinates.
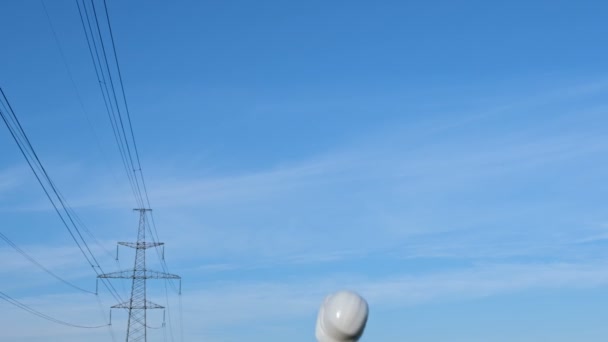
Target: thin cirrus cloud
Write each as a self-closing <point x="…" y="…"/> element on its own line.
<point x="217" y="306"/>
<point x="384" y="188"/>
<point x="505" y="197"/>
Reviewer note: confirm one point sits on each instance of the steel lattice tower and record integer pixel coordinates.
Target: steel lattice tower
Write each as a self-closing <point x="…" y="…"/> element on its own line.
<point x="138" y="304"/>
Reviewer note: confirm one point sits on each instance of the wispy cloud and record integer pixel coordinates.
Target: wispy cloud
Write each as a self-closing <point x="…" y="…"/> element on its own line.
<point x="474" y="187"/>
<point x="217" y="307"/>
<point x="485" y="280"/>
<point x="387" y="192"/>
<point x="10" y="178"/>
<point x="230" y="304"/>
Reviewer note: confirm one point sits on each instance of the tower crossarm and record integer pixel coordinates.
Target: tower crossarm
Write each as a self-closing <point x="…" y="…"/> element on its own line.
<point x="141" y="245"/>
<point x="161" y="275"/>
<point x="144" y="274"/>
<point x="146" y="306"/>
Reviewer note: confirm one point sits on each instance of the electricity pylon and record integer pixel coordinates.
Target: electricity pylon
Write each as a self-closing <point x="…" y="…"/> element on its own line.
<point x="138" y="304"/>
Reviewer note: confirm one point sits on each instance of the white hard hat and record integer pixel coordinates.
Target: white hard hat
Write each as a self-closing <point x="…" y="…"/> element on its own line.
<point x="342" y="318"/>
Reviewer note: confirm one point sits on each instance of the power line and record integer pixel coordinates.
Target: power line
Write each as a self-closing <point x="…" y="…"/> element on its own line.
<point x="122" y="87"/>
<point x="102" y="68"/>
<point x="27" y="150"/>
<point x="35" y="262"/>
<point x="84" y="112"/>
<point x="120" y="118"/>
<point x="26" y="308"/>
<point x="127" y="143"/>
<point x="18" y="135"/>
<point x="52" y="193"/>
<point x="94" y="52"/>
<point x="75" y="88"/>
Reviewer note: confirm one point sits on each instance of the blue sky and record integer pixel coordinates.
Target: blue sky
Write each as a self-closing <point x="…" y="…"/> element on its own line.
<point x="445" y="159"/>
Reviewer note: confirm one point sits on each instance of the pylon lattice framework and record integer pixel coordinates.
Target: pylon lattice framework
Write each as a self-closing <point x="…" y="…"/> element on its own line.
<point x="138" y="303"/>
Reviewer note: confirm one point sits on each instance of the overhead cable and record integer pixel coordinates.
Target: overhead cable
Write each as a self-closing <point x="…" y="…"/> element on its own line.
<point x="52" y="193"/>
<point x="39" y="265"/>
<point x="27" y="308"/>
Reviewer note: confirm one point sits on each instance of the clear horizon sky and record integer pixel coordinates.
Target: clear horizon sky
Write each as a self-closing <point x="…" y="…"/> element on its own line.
<point x="446" y="159"/>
